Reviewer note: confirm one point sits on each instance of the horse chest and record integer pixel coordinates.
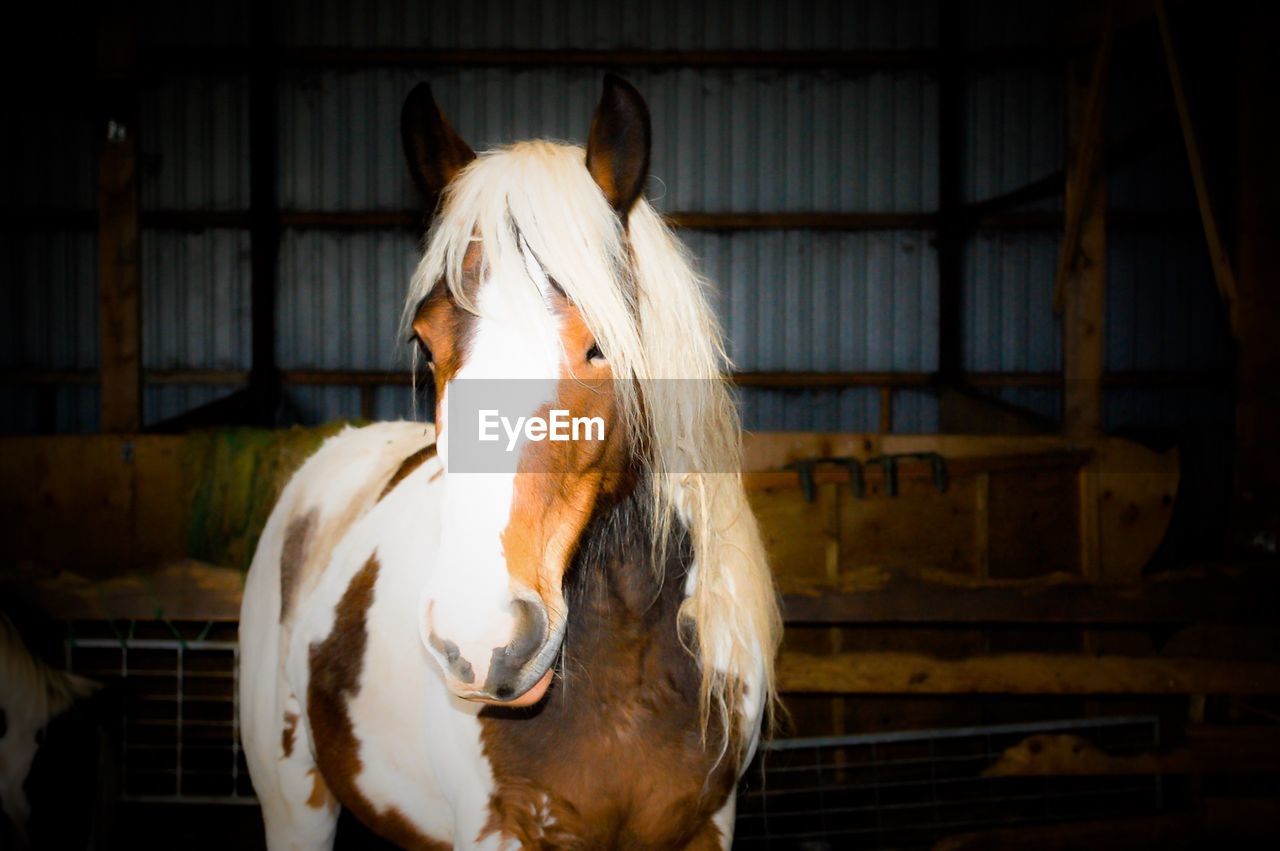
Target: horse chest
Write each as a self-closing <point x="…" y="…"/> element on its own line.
<point x="613" y="758"/>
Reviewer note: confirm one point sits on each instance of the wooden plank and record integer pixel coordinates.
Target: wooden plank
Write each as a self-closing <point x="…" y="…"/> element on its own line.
<point x="1223" y="275"/>
<point x="1021" y="673"/>
<point x="66" y="501"/>
<point x="264" y="232"/>
<point x="1080" y="285"/>
<point x="184" y="590"/>
<point x="1086" y="97"/>
<point x="74" y="475"/>
<point x="864" y="597"/>
<point x="1219" y="822"/>
<point x="949" y="246"/>
<point x="1135" y="495"/>
<point x="1034" y="521"/>
<point x="982" y="526"/>
<point x="1136" y="487"/>
<point x="876" y="531"/>
<point x="884" y="596"/>
<point x="790" y="379"/>
<point x="1256" y="511"/>
<point x="201" y="60"/>
<point x="802" y="221"/>
<point x="1209" y="750"/>
<point x="119" y="242"/>
<point x="720" y="221"/>
<point x="23" y="220"/>
<point x="886" y="410"/>
<point x="920" y="471"/>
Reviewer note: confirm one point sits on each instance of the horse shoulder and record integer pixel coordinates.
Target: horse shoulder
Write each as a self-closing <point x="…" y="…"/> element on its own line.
<point x="356" y="661"/>
<point x="334" y="489"/>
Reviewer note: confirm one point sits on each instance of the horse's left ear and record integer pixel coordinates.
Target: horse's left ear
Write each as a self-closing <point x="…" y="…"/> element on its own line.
<point x="618" y="147"/>
<point x="433" y="149"/>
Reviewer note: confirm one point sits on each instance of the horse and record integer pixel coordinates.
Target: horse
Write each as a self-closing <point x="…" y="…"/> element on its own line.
<point x="41" y="736"/>
<point x="575" y="650"/>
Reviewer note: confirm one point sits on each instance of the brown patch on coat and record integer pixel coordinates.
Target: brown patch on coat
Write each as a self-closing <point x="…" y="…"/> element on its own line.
<point x="613" y="756"/>
<point x="444" y="327"/>
<point x="552" y="506"/>
<point x="335" y="665"/>
<point x="289" y="732"/>
<point x="320" y="795"/>
<point x="313" y="550"/>
<point x="407" y="466"/>
<point x="293" y="558"/>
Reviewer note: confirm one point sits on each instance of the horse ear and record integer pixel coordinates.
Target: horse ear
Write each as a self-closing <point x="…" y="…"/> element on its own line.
<point x="618" y="146"/>
<point x="435" y="151"/>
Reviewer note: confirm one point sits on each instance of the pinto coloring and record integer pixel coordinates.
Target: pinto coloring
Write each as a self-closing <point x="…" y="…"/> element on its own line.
<point x="575" y="650"/>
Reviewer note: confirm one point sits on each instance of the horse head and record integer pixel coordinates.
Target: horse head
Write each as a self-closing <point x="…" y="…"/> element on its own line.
<point x="494" y="315"/>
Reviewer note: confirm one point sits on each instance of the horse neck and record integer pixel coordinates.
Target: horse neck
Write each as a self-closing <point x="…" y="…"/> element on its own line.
<point x="621" y="587"/>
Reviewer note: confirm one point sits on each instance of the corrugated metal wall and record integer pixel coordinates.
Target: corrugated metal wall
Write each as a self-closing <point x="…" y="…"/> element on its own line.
<point x="48" y="278"/>
<point x="635" y="24"/>
<point x="725" y="141"/>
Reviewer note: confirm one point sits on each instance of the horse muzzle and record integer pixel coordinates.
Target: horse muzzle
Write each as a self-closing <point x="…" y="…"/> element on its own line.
<point x="515" y="673"/>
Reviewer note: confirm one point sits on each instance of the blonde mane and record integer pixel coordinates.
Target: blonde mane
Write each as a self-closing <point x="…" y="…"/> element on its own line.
<point x="639" y="294"/>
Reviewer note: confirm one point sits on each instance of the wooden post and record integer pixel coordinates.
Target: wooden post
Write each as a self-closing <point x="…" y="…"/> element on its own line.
<point x="1222" y="273"/>
<point x="886" y="410"/>
<point x="1083" y="272"/>
<point x="829" y="499"/>
<point x="264" y="219"/>
<point x="1257" y="449"/>
<point x="950" y="240"/>
<point x="119" y="244"/>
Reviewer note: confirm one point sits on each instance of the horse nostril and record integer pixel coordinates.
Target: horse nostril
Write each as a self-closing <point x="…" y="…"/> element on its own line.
<point x="530" y="629"/>
<point x="526" y="640"/>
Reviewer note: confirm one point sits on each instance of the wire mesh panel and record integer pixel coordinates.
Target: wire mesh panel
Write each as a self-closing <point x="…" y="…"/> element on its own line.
<point x="176" y="715"/>
<point x="908" y="789"/>
<point x="178" y="740"/>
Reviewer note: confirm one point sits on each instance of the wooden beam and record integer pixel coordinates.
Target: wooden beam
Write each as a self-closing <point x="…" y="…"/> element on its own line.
<point x="1223" y="275"/>
<point x="951" y="224"/>
<point x="1063" y="459"/>
<point x="1208" y="750"/>
<point x="264" y="219"/>
<point x="1086" y="98"/>
<point x="25" y="220"/>
<point x="192" y="590"/>
<point x="1079" y="291"/>
<point x="119" y="242"/>
<point x="901" y="597"/>
<point x="1256" y="514"/>
<point x="1217" y="823"/>
<point x="186" y="590"/>
<point x="890" y="672"/>
<point x="200" y="60"/>
<point x="1178" y="378"/>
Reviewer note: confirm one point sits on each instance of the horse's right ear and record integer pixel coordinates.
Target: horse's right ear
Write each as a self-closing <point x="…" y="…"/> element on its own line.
<point x="619" y="143"/>
<point x="434" y="150"/>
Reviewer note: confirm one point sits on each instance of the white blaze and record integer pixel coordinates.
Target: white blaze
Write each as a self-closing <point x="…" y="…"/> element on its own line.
<point x="470" y="593"/>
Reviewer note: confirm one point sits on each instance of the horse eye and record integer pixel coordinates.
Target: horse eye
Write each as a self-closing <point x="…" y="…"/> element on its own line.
<point x="594" y="353"/>
<point x="423" y="349"/>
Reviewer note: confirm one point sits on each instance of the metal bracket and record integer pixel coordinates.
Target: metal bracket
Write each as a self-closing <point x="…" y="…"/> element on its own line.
<point x="805" y="468"/>
<point x="890" y="465"/>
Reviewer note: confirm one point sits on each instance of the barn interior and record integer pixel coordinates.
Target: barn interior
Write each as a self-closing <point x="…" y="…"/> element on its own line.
<point x="993" y="277"/>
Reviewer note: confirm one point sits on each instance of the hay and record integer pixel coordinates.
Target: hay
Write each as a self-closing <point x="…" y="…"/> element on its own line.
<point x="236" y="475"/>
